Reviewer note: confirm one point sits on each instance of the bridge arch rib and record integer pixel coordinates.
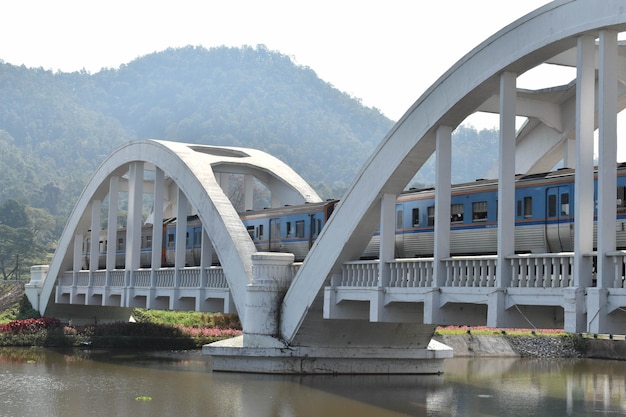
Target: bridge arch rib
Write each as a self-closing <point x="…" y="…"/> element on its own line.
<point x="193" y="169"/>
<point x="517" y="48"/>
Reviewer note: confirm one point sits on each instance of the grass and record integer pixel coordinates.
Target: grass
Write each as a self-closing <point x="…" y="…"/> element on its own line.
<point x="483" y="330"/>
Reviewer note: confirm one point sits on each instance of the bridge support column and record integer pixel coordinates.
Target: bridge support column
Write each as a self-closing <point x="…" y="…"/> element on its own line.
<point x="33" y="288"/>
<point x="325" y="346"/>
<point x="271" y="279"/>
<point x="574" y="310"/>
<point x="443" y="178"/>
<point x="497" y="315"/>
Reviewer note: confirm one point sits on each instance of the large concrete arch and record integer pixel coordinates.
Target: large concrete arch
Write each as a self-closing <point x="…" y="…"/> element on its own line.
<point x="519" y="47"/>
<point x="191" y="168"/>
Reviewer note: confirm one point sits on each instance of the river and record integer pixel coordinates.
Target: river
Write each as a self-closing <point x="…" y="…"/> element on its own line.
<point x="42" y="382"/>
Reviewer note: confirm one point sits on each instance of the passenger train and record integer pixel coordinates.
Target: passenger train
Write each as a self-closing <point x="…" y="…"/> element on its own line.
<point x="544" y="222"/>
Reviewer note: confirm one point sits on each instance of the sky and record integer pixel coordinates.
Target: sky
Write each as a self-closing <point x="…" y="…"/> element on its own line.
<point x="385" y="53"/>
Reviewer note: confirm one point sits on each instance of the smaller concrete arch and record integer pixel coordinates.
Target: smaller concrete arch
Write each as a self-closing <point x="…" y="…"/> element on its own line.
<point x="192" y="169"/>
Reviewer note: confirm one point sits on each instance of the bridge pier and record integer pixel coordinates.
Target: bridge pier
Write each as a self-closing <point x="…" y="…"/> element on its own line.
<point x="322" y="346"/>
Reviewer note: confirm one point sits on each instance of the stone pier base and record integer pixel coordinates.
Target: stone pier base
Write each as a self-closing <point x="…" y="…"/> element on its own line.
<point x="273" y="357"/>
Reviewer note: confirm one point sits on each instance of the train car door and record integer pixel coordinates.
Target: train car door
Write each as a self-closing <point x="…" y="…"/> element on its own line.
<point x="558" y="218"/>
<point x="399" y="232"/>
<point x="274" y="238"/>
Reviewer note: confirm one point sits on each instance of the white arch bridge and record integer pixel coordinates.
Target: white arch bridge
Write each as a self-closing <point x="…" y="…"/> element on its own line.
<point x="332" y="312"/>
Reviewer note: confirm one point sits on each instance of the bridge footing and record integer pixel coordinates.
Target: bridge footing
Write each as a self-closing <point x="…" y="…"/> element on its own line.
<point x="264" y="354"/>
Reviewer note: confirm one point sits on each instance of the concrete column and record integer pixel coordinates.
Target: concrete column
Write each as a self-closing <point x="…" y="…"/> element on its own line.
<point x="206" y="257"/>
<point x="181" y="246"/>
<point x="157" y="220"/>
<point x="387" y="237"/>
<point x="94" y="249"/>
<point x="607" y="149"/>
<point x="583" y="187"/>
<point x="569" y="153"/>
<point x="443" y="179"/>
<point x="134" y="220"/>
<point x="181" y="230"/>
<point x="78" y="251"/>
<point x="574" y="309"/>
<point x="441" y="250"/>
<point x="506" y="184"/>
<point x="33" y="288"/>
<point x="271" y="279"/>
<point x="248" y="181"/>
<point x="496" y="314"/>
<point x="78" y="255"/>
<point x="112" y="226"/>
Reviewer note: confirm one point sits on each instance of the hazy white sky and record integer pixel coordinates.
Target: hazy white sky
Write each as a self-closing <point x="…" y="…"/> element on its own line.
<point x="386" y="53"/>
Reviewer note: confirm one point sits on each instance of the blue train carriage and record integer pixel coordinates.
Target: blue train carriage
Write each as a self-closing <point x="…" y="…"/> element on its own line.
<point x="193" y="242"/>
<point x="291" y="229"/>
<point x="544" y="216"/>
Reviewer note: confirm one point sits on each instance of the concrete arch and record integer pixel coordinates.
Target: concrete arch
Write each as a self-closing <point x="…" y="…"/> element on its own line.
<point x="191" y="167"/>
<point x="520" y="46"/>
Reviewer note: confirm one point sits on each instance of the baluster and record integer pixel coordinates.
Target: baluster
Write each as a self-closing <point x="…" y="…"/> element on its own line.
<point x="408" y="274"/>
<point x="618" y="273"/>
<point x="621" y="273"/>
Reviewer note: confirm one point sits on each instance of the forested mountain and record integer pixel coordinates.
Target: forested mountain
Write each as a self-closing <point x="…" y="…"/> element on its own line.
<point x="55" y="128"/>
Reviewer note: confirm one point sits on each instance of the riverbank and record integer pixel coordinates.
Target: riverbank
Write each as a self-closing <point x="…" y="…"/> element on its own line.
<point x="568" y="346"/>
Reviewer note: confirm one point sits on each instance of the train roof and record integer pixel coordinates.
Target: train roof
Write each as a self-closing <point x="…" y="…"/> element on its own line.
<point x="519" y="178"/>
<point x="289" y="209"/>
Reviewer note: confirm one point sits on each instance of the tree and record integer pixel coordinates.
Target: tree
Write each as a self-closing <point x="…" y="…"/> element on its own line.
<point x="16" y="239"/>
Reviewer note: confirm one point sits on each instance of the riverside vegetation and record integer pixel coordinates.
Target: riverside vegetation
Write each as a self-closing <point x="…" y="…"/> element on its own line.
<point x="20" y="325"/>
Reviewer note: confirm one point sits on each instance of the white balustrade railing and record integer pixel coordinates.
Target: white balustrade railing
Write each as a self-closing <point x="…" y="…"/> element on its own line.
<point x="82" y="280"/>
<point x="189" y="277"/>
<point x="165" y="278"/>
<point x="411" y="273"/>
<point x="67" y="279"/>
<point x="619" y="263"/>
<point x="471" y="271"/>
<point x="99" y="278"/>
<point x="141" y="278"/>
<point x="117" y="278"/>
<point x="528" y="271"/>
<point x="546" y="270"/>
<point x="359" y="274"/>
<point x="216" y="278"/>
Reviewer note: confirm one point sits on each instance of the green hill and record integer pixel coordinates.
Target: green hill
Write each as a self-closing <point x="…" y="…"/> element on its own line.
<point x="55" y="128"/>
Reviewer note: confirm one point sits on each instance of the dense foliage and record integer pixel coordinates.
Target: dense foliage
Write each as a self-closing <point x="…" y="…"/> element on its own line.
<point x="55" y="128"/>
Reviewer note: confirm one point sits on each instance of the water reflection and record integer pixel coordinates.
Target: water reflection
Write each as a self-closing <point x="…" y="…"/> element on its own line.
<point x="102" y="383"/>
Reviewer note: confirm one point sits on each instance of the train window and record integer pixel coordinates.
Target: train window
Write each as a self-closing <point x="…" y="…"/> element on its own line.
<point x="456" y="213"/>
<point x="260" y="231"/>
<point x="565" y="204"/>
<point x="170" y="240"/>
<point x="519" y="208"/>
<point x="416" y="217"/>
<point x="188" y="239"/>
<point x="300" y="228"/>
<point x="479" y="211"/>
<point x="86" y="245"/>
<point x="528" y="207"/>
<point x="399" y="219"/>
<point x="146" y="242"/>
<point x="431" y="215"/>
<point x="289" y="231"/>
<point x="621" y="199"/>
<point x="250" y="230"/>
<point x="120" y="243"/>
<point x="551" y="205"/>
<point x="319" y="226"/>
